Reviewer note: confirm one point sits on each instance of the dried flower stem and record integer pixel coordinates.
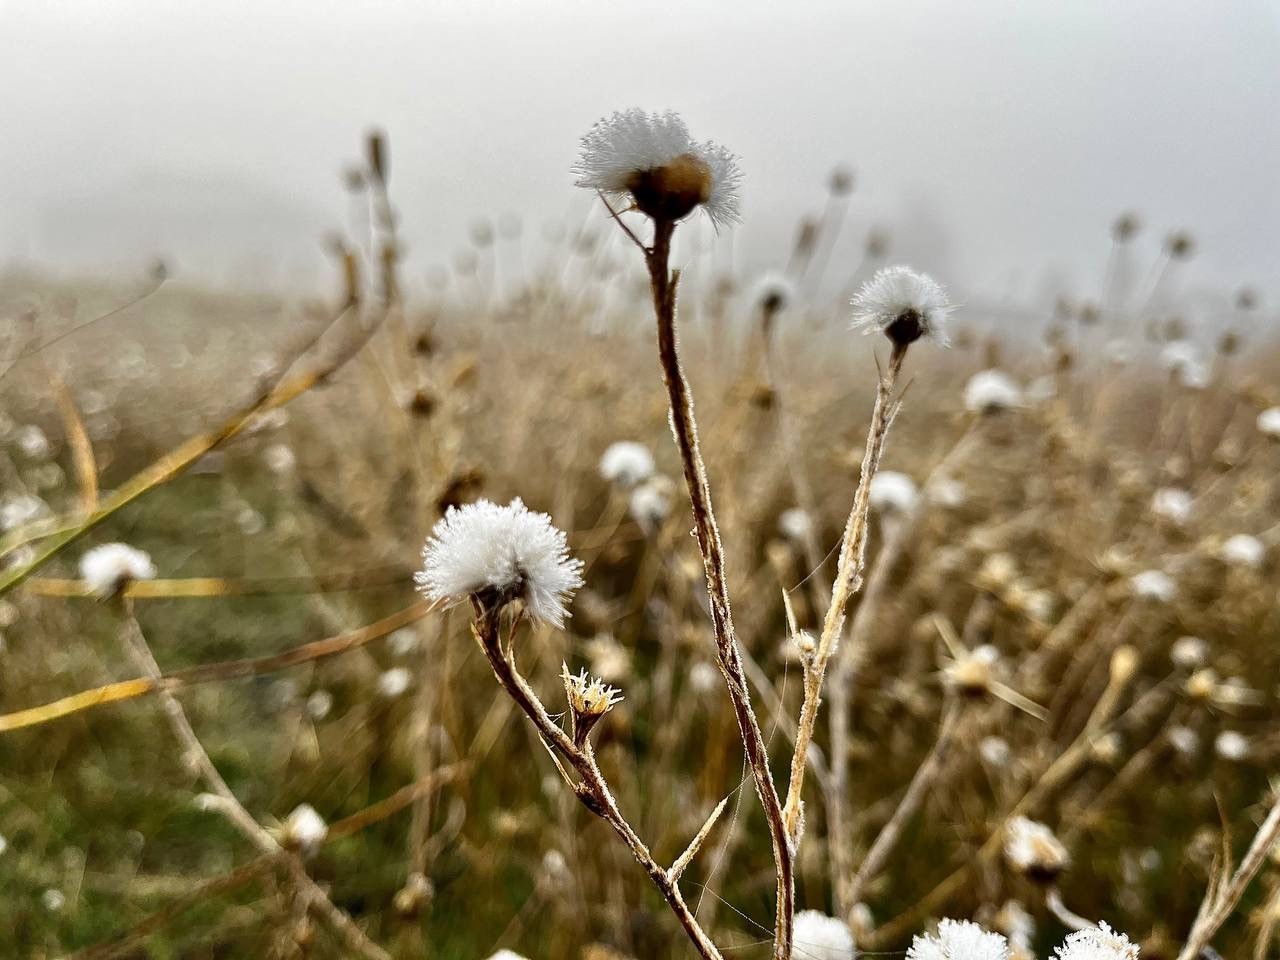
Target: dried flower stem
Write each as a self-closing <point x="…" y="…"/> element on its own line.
<point x="684" y="428"/>
<point x="1222" y="897"/>
<point x="847" y="582"/>
<point x="308" y="891"/>
<point x="591" y="788"/>
<point x="924" y="777"/>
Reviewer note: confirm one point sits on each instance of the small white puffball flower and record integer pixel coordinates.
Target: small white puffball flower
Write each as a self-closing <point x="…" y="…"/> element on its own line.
<point x="820" y="937"/>
<point x="1231" y="745"/>
<point x="703" y="677"/>
<point x="959" y="940"/>
<point x="1154" y="585"/>
<point x="1185" y="740"/>
<point x="903" y="305"/>
<point x="403" y="642"/>
<point x="994" y="751"/>
<point x="1178" y="355"/>
<point x="1096" y="943"/>
<point x="554" y="864"/>
<point x="1031" y="848"/>
<point x="651" y="159"/>
<point x="795" y="524"/>
<point x="53" y="900"/>
<point x="1172" y="504"/>
<point x="1244" y="550"/>
<point x="1269" y="422"/>
<point x="773" y="292"/>
<point x="280" y="458"/>
<point x="650" y="503"/>
<point x="4" y="845"/>
<point x="626" y="463"/>
<point x="394" y="682"/>
<point x="989" y="391"/>
<point x="506" y="955"/>
<point x="33" y="443"/>
<point x="946" y="492"/>
<point x="305" y="829"/>
<point x="19" y="509"/>
<point x="108" y="568"/>
<point x="500" y="554"/>
<point x="1189" y="652"/>
<point x="973" y="672"/>
<point x="892" y="492"/>
<point x="319" y="704"/>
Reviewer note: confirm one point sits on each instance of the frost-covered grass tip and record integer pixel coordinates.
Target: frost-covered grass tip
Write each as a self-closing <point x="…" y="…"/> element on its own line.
<point x="959" y="940"/>
<point x="903" y="305"/>
<point x="111" y="567"/>
<point x="498" y="555"/>
<point x="651" y="159"/>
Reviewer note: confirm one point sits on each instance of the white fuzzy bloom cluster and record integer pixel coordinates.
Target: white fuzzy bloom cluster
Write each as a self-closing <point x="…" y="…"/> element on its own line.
<point x="892" y="492"/>
<point x="1243" y="550"/>
<point x="652" y="159"/>
<point x="626" y="463"/>
<point x="394" y="683"/>
<point x="1189" y="652"/>
<point x="903" y="305"/>
<point x="305" y="829"/>
<point x="959" y="940"/>
<point x="989" y="391"/>
<point x="500" y="554"/>
<point x="1154" y="585"/>
<point x="108" y="568"/>
<point x="506" y="955"/>
<point x="1269" y="422"/>
<point x="1031" y="848"/>
<point x="1182" y="358"/>
<point x="1231" y="745"/>
<point x="773" y="292"/>
<point x="795" y="524"/>
<point x="1172" y="504"/>
<point x="650" y="503"/>
<point x="820" y="937"/>
<point x="1097" y="943"/>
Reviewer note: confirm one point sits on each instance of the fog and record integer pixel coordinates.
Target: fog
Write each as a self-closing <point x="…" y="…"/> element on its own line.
<point x="996" y="139"/>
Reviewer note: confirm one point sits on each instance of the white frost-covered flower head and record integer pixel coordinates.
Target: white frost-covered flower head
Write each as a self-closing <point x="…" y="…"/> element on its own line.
<point x="1031" y="848"/>
<point x="1096" y="943"/>
<point x="1269" y="422"/>
<point x="1243" y="550"/>
<point x="903" y="305"/>
<point x="1172" y="504"/>
<point x="394" y="682"/>
<point x="959" y="940"/>
<point x="305" y="829"/>
<point x="651" y="159"/>
<point x="650" y="503"/>
<point x="972" y="673"/>
<point x="1154" y="585"/>
<point x="820" y="937"/>
<point x="108" y="569"/>
<point x="795" y="524"/>
<point x="506" y="955"/>
<point x="1231" y="745"/>
<point x="626" y="463"/>
<point x="498" y="555"/>
<point x="892" y="492"/>
<point x="773" y="293"/>
<point x="1189" y="652"/>
<point x="990" y="391"/>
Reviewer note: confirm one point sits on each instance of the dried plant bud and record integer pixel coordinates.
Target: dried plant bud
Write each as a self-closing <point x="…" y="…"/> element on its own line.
<point x="1125" y="228"/>
<point x="416" y="893"/>
<point x="1032" y="850"/>
<point x="376" y="148"/>
<point x="589" y="699"/>
<point x="304" y="830"/>
<point x="973" y="673"/>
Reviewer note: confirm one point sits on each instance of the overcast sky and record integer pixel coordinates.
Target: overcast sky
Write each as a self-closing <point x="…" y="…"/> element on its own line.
<point x="1010" y="131"/>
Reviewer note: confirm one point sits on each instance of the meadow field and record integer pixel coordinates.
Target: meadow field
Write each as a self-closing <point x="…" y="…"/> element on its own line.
<point x="1052" y="701"/>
